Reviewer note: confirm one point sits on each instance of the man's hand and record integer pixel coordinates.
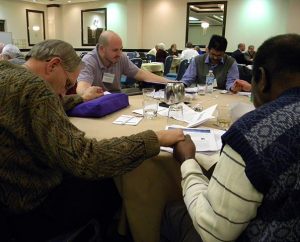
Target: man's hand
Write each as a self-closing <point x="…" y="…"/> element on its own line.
<point x="170" y="137"/>
<point x="92" y="93"/>
<point x="241" y="85"/>
<point x="184" y="150"/>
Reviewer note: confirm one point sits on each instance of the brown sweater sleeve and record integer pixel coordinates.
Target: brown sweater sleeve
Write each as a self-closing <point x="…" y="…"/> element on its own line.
<point x="70" y="101"/>
<point x="61" y="144"/>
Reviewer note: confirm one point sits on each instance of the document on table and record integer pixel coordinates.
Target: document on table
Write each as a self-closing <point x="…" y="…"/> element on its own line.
<point x="127" y="119"/>
<point x="199" y="118"/>
<point x="204" y="139"/>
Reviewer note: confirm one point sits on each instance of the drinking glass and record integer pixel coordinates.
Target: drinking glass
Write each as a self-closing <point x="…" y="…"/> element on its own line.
<point x="201" y="89"/>
<point x="224" y="116"/>
<point x="175" y="115"/>
<point x="150" y="104"/>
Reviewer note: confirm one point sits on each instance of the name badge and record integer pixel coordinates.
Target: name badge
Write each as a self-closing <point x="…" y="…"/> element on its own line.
<point x="108" y="77"/>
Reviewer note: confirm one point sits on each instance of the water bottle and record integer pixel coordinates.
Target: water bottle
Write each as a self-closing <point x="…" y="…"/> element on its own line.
<point x="210" y="81"/>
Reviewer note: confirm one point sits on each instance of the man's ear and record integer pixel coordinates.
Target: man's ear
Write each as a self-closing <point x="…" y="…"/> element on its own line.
<point x="52" y="64"/>
<point x="264" y="81"/>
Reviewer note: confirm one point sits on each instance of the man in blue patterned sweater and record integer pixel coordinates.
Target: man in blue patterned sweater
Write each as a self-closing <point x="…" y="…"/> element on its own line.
<point x="254" y="191"/>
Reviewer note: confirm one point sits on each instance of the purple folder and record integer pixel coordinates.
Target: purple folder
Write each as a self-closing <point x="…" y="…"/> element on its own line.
<point x="101" y="106"/>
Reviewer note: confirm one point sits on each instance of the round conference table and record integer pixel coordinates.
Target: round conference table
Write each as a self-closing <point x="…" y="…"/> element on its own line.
<point x="148" y="188"/>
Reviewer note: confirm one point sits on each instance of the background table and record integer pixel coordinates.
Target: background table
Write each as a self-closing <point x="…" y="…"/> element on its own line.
<point x="154" y="67"/>
<point x="148" y="188"/>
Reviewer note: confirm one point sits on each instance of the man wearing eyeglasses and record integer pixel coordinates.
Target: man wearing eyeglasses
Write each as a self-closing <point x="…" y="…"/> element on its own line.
<point x="223" y="66"/>
<point x="53" y="179"/>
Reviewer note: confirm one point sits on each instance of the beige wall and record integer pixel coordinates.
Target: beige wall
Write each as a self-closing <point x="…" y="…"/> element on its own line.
<point x="143" y="23"/>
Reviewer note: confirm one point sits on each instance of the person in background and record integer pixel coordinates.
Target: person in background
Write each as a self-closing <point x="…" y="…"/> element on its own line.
<point x="173" y="50"/>
<point x="161" y="54"/>
<point x="153" y="50"/>
<point x="105" y="65"/>
<point x="53" y="178"/>
<point x="1" y="47"/>
<point x="253" y="193"/>
<point x="224" y="67"/>
<point x="238" y="54"/>
<point x="189" y="52"/>
<point x="13" y="54"/>
<point x="197" y="48"/>
<point x="249" y="55"/>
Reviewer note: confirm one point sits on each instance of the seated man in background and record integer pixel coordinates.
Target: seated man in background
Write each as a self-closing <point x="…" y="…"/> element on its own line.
<point x="161" y="53"/>
<point x="249" y="55"/>
<point x="105" y="65"/>
<point x="13" y="54"/>
<point x="254" y="191"/>
<point x="189" y="52"/>
<point x="224" y="67"/>
<point x="53" y="179"/>
<point x="153" y="51"/>
<point x="238" y="54"/>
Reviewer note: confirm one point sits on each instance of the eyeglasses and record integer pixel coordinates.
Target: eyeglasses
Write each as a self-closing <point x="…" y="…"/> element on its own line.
<point x="69" y="83"/>
<point x="216" y="55"/>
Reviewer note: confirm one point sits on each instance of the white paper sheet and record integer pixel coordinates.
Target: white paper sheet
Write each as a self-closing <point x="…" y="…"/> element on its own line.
<point x="199" y="118"/>
<point x="128" y="120"/>
<point x="204" y="139"/>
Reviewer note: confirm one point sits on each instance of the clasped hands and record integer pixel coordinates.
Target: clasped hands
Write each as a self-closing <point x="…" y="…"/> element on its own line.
<point x="183" y="146"/>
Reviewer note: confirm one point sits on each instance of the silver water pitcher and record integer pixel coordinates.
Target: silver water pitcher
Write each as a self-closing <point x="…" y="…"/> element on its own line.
<point x="174" y="92"/>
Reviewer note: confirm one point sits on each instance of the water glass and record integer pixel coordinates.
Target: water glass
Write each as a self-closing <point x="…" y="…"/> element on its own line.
<point x="150" y="104"/>
<point x="201" y="89"/>
<point x="224" y="116"/>
<point x="175" y="115"/>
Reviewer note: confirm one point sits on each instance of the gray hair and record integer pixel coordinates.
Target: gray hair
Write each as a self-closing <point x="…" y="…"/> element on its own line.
<point x="161" y="46"/>
<point x="48" y="49"/>
<point x="11" y="51"/>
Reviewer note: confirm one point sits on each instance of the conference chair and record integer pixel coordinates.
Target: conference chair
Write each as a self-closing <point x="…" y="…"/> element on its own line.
<point x="129" y="85"/>
<point x="168" y="64"/>
<point x="131" y="55"/>
<point x="181" y="70"/>
<point x="151" y="58"/>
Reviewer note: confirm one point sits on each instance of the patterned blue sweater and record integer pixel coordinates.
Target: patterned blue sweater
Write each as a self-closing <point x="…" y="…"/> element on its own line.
<point x="268" y="139"/>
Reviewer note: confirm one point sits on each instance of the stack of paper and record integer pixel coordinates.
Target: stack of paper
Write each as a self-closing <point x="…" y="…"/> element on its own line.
<point x="127" y="119"/>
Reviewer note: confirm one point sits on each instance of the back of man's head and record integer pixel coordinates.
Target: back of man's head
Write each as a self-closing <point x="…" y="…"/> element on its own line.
<point x="48" y="49"/>
<point x="11" y="51"/>
<point x="189" y="45"/>
<point x="218" y="43"/>
<point x="279" y="56"/>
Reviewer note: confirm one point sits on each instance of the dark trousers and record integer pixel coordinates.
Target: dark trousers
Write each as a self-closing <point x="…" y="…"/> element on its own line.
<point x="177" y="225"/>
<point x="67" y="208"/>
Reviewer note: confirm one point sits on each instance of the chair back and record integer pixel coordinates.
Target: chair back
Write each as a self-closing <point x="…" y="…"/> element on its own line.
<point x="131" y="55"/>
<point x="168" y="64"/>
<point x="137" y="61"/>
<point x="151" y="57"/>
<point x="127" y="81"/>
<point x="82" y="54"/>
<point x="181" y="69"/>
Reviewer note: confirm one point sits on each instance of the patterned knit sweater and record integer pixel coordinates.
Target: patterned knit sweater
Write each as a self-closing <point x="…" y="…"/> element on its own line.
<point x="39" y="145"/>
<point x="268" y="139"/>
